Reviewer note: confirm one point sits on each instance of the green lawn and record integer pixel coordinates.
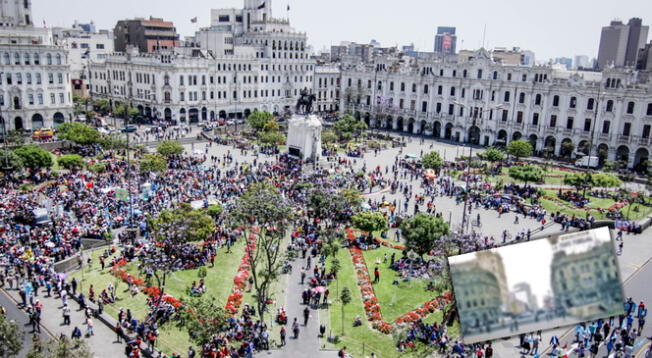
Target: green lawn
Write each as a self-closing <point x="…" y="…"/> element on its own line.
<point x="219" y="282"/>
<point x="594" y="204"/>
<point x="395" y="300"/>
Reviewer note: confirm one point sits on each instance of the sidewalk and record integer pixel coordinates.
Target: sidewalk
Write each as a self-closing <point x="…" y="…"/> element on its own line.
<point x="103" y="343"/>
<point x="307" y="345"/>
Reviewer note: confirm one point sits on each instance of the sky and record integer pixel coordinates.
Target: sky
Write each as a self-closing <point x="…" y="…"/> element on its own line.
<point x="550" y="28"/>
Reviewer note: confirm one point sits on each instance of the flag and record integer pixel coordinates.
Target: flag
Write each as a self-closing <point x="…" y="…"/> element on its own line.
<point x="261" y="6"/>
<point x="45" y="23"/>
<point x="194" y="20"/>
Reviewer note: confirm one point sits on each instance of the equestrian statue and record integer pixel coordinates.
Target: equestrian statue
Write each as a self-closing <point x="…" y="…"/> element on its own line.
<point x="304" y="104"/>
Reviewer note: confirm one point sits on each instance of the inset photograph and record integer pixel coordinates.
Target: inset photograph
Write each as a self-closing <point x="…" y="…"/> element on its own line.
<point x="536" y="285"/>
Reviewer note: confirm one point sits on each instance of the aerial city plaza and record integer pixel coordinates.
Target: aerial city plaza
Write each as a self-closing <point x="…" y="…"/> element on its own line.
<point x="205" y="179"/>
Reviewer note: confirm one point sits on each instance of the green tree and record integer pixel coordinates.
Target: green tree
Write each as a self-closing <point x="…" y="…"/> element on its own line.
<point x="66" y="348"/>
<point x="352" y="197"/>
<point x="424" y="232"/>
<point x="345" y="298"/>
<point x="271" y="138"/>
<point x="16" y="137"/>
<point x="169" y="148"/>
<point x="369" y="221"/>
<point x="526" y="173"/>
<point x="520" y="148"/>
<point x="578" y="180"/>
<point x="348" y="126"/>
<point x="172" y="230"/>
<point x="122" y="110"/>
<point x="262" y="206"/>
<point x="102" y="105"/>
<point x="567" y="148"/>
<point x="71" y="161"/>
<point x="432" y="160"/>
<point x="271" y="126"/>
<point x="258" y="119"/>
<point x="15" y="162"/>
<point x="11" y="337"/>
<point x="153" y="163"/>
<point x="34" y="157"/>
<point x="493" y="154"/>
<point x="78" y="133"/>
<point x="605" y="180"/>
<point x="328" y="136"/>
<point x="202" y="318"/>
<point x="214" y="211"/>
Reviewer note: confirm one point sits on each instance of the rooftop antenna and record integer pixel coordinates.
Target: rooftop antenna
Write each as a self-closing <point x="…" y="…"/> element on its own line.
<point x="484" y="34"/>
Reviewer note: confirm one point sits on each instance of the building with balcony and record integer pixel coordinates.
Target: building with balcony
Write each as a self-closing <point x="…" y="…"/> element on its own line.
<point x="245" y="61"/>
<point x="35" y="90"/>
<point x="481" y="101"/>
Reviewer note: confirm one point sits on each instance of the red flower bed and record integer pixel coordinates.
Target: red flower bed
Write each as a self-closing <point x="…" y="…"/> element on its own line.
<point x="151" y="291"/>
<point x="234" y="301"/>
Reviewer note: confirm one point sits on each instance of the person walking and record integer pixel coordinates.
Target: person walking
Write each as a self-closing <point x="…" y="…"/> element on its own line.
<point x="283" y="336"/>
<point x="306" y="315"/>
<point x="376" y="274"/>
<point x="66" y="315"/>
<point x="295" y="328"/>
<point x="89" y="327"/>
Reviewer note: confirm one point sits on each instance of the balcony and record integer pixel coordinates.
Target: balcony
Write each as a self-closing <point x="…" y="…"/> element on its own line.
<point x="624" y="139"/>
<point x="604" y="137"/>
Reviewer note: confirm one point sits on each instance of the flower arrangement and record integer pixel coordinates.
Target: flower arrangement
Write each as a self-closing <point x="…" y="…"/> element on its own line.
<point x="234" y="301"/>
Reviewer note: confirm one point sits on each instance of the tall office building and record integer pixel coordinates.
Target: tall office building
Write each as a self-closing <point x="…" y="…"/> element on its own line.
<point x="149" y="35"/>
<point x="619" y="43"/>
<point x="581" y="61"/>
<point x="445" y="40"/>
<point x="636" y="41"/>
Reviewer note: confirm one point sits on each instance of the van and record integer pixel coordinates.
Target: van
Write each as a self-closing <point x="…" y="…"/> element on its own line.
<point x="587" y="161"/>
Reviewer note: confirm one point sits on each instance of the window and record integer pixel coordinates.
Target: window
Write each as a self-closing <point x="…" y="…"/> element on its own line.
<point x="223" y="18"/>
<point x="402" y="87"/>
<point x="506" y="96"/>
<point x="452" y="91"/>
<point x="51" y="78"/>
<point x="38" y="78"/>
<point x="649" y="109"/>
<point x="425" y="89"/>
<point x="58" y="59"/>
<point x="555" y="101"/>
<point x="30" y="99"/>
<point x="414" y="88"/>
<point x="181" y="80"/>
<point x="440" y="90"/>
<point x="630" y="108"/>
<point x="519" y="117"/>
<point x="495" y="75"/>
<point x="60" y="78"/>
<point x="380" y="85"/>
<point x="62" y="98"/>
<point x="26" y="58"/>
<point x="28" y="77"/>
<point x="569" y="123"/>
<point x="438" y="107"/>
<point x="39" y="97"/>
<point x="16" y="58"/>
<point x="479" y="74"/>
<point x="610" y="106"/>
<point x="451" y="109"/>
<point x="424" y="106"/>
<point x="7" y="59"/>
<point x="537" y="100"/>
<point x="182" y="96"/>
<point x="535" y="119"/>
<point x="99" y="46"/>
<point x="19" y="78"/>
<point x="627" y="128"/>
<point x="505" y="114"/>
<point x="573" y="102"/>
<point x="524" y="77"/>
<point x="605" y="127"/>
<point x="37" y="59"/>
<point x="521" y="97"/>
<point x="587" y="124"/>
<point x="509" y="76"/>
<point x="553" y="120"/>
<point x="590" y="104"/>
<point x="48" y="59"/>
<point x="391" y="86"/>
<point x="646" y="131"/>
<point x="52" y="98"/>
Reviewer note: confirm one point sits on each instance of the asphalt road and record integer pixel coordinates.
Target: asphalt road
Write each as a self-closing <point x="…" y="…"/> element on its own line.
<point x="16" y="314"/>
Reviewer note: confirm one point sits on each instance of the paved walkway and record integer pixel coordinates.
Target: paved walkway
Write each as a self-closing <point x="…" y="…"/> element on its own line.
<point x="307" y="345"/>
<point x="102" y="343"/>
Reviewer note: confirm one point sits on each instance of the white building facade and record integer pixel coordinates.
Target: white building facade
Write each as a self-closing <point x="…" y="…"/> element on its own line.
<point x="326" y="88"/>
<point x="481" y="102"/>
<point x="35" y="90"/>
<point x="245" y="61"/>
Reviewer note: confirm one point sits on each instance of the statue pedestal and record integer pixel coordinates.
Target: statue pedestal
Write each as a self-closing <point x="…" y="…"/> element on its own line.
<point x="304" y="136"/>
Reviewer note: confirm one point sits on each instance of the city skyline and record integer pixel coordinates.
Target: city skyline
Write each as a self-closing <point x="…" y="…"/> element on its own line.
<point x="419" y="28"/>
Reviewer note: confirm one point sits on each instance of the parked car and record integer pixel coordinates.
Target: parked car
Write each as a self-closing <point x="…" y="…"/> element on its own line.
<point x="129" y="129"/>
